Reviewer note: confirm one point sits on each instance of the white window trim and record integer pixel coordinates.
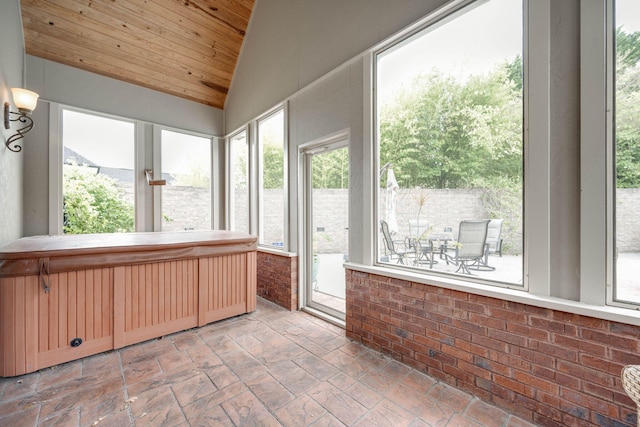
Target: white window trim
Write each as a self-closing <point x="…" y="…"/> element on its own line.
<point x="596" y="240"/>
<point x="537" y="140"/>
<point x="55" y="169"/>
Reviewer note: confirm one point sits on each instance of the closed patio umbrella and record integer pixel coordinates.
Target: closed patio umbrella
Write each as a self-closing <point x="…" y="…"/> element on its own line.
<point x="392" y="193"/>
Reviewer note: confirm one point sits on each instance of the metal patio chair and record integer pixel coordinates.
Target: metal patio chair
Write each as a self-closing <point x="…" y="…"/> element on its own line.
<point x="391" y="245"/>
<point x="470" y="249"/>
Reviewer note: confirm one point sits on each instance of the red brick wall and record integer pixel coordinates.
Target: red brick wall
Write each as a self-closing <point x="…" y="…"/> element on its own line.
<point x="550" y="367"/>
<point x="278" y="279"/>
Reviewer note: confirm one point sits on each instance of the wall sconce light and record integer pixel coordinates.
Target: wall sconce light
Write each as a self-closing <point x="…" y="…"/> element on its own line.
<point x="26" y="101"/>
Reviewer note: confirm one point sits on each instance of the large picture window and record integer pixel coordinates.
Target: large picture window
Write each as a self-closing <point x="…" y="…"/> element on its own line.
<point x="449" y="102"/>
<point x="626" y="79"/>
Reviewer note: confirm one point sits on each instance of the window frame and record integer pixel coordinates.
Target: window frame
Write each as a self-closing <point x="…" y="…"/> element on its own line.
<point x="214" y="189"/>
<point x="146" y="198"/>
<point x="604" y="195"/>
<point x="56" y="158"/>
<point x="258" y="178"/>
<point x="536" y="145"/>
<point x="594" y="210"/>
<point x="229" y="211"/>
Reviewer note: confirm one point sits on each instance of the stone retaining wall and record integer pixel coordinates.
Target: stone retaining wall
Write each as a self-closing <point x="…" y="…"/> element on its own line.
<point x="442" y="209"/>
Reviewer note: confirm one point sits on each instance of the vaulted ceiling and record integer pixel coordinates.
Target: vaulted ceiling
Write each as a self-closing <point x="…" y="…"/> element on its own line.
<point x="186" y="48"/>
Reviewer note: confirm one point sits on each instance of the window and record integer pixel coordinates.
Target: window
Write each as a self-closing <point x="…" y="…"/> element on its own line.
<point x="449" y="103"/>
<point x="98" y="174"/>
<point x="272" y="194"/>
<point x="97" y="179"/>
<point x="186" y="167"/>
<point x="238" y="176"/>
<point x="626" y="78"/>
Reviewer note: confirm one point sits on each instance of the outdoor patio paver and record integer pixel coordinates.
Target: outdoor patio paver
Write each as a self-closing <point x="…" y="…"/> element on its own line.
<point x="269" y="368"/>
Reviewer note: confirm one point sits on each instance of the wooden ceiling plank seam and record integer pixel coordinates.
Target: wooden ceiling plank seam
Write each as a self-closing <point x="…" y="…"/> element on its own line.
<point x="138" y="10"/>
<point x="135" y="10"/>
<point x="123" y="19"/>
<point x="108" y="41"/>
<point x="215" y="11"/>
<point x="122" y="70"/>
<point x="242" y="8"/>
<point x="98" y="20"/>
<point x="206" y="24"/>
<point x="132" y="58"/>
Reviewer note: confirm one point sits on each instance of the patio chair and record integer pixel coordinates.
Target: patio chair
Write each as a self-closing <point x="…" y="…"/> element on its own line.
<point x="423" y="249"/>
<point x="390" y="244"/>
<point x="470" y="249"/>
<point x="494" y="241"/>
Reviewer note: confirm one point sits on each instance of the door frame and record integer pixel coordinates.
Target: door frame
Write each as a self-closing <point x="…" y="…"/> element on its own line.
<point x="306" y="151"/>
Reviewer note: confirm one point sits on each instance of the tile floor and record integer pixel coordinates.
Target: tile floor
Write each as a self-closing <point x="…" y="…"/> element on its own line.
<point x="269" y="368"/>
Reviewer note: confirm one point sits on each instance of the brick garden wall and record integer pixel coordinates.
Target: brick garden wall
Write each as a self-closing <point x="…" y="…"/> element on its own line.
<point x="278" y="279"/>
<point x="550" y="367"/>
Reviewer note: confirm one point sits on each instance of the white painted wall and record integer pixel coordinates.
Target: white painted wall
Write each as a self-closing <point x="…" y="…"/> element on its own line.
<point x="73" y="87"/>
<point x="565" y="148"/>
<point x="11" y="164"/>
<point x="291" y="43"/>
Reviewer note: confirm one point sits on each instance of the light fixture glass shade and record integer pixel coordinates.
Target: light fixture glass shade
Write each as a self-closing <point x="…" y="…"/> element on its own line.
<point x="24" y="99"/>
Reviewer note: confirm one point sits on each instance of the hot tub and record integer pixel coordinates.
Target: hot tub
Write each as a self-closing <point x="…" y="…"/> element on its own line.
<point x="70" y="296"/>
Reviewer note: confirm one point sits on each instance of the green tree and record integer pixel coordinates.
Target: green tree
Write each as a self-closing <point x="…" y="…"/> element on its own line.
<point x="331" y="169"/>
<point x="198" y="176"/>
<point x="93" y="203"/>
<point x="444" y="133"/>
<point x="514" y="72"/>
<point x="627" y="109"/>
<point x="627" y="48"/>
<point x="273" y="166"/>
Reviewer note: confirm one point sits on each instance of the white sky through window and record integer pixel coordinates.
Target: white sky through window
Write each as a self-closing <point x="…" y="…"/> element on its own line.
<point x="628" y="15"/>
<point x="103" y="141"/>
<point x="470" y="44"/>
<point x="184" y="154"/>
<point x="108" y="142"/>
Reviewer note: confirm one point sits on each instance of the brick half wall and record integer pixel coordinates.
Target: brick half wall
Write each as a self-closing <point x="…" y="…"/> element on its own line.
<point x="278" y="279"/>
<point x="550" y="367"/>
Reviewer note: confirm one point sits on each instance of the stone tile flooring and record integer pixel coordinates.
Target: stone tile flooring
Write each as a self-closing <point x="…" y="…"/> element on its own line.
<point x="269" y="368"/>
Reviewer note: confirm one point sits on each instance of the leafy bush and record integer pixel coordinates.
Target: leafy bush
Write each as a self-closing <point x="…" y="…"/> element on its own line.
<point x="93" y="203"/>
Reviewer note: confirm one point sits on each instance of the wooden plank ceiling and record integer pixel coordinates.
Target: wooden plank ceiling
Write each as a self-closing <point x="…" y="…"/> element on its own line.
<point x="186" y="48"/>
